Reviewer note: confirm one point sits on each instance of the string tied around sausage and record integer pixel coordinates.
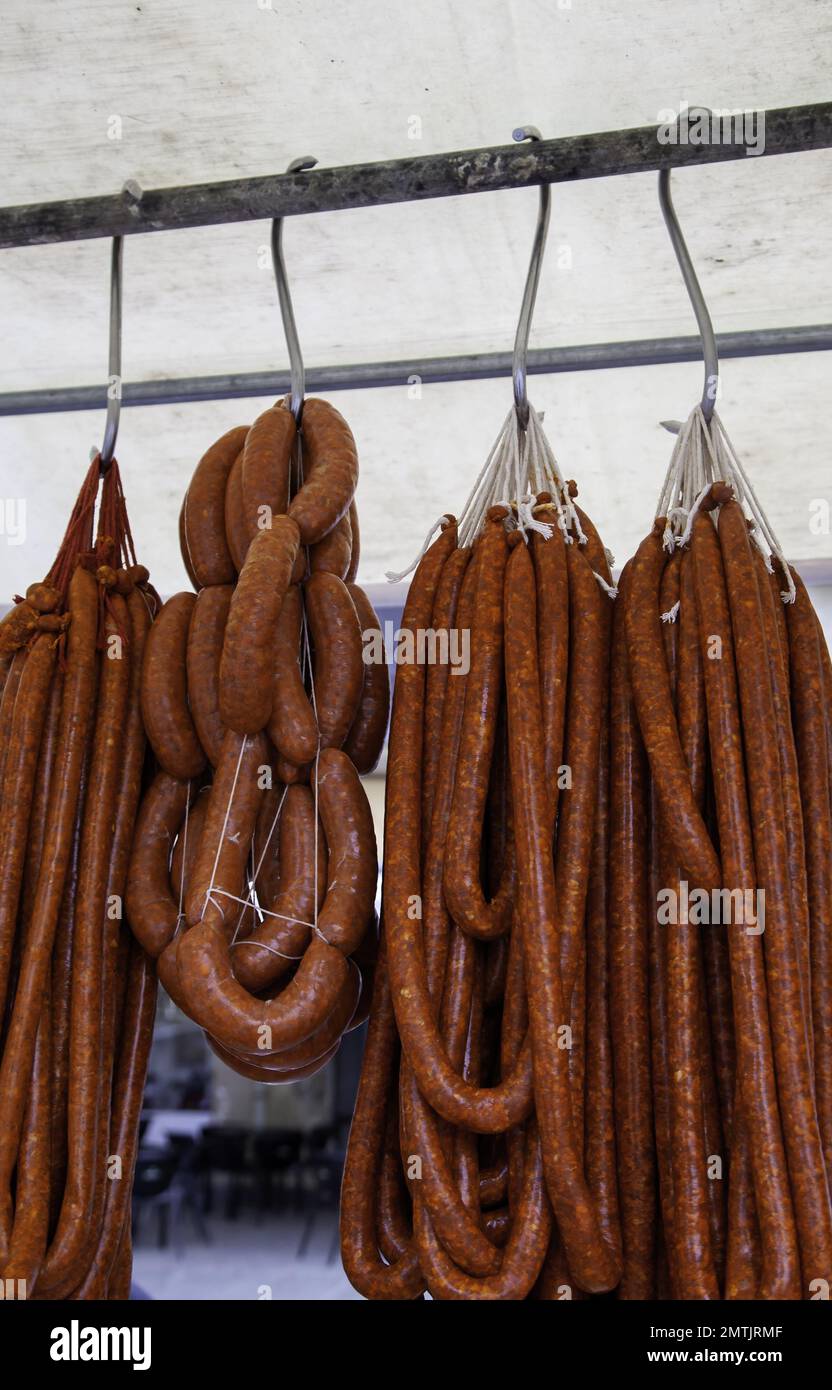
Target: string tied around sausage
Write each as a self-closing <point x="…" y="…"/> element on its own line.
<point x="703" y="455"/>
<point x="392" y="577"/>
<point x="251" y="900"/>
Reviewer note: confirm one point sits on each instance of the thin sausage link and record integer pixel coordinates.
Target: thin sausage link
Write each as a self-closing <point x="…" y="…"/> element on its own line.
<point x="553" y="645"/>
<point x="484" y="1109"/>
<point x="789" y="777"/>
<point x="456" y="1228"/>
<point x="806" y="650"/>
<point x="88" y="1067"/>
<point x="664" y="873"/>
<point x="522" y="1257"/>
<point x="651" y="693"/>
<point x="780" y="1275"/>
<point x="628" y="974"/>
<point x="18" y="788"/>
<point x="463" y="890"/>
<point x="715" y="1146"/>
<point x="599" y="1119"/>
<point x="513" y="1029"/>
<point x="31" y="1214"/>
<point x="61" y="987"/>
<point x="7" y="703"/>
<point x="589" y="619"/>
<point x="359" y="1244"/>
<point x="394" y="1221"/>
<point x="75" y="720"/>
<point x="792" y="1058"/>
<point x="117" y="938"/>
<point x="435" y="916"/>
<point x="744" y="1255"/>
<point x="443" y="620"/>
<point x="590" y="1258"/>
<point x="694" y="1260"/>
<point x="128" y="1090"/>
<point x="466" y="1159"/>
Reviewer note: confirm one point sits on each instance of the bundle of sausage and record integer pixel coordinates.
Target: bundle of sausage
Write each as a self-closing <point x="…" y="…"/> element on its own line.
<point x="721" y="766"/>
<point x="254" y="869"/>
<point x="77" y="994"/>
<point x="481" y="1159"/>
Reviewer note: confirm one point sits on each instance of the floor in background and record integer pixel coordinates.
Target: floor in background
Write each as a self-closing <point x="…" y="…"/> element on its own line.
<point x="246" y="1258"/>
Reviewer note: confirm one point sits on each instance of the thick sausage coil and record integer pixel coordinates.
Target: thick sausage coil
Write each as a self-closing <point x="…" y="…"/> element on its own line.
<point x="253" y="869"/>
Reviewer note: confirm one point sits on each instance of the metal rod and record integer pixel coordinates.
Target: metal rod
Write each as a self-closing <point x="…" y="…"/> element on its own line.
<point x="287" y="313"/>
<point x="788" y="130"/>
<point x="585" y="357"/>
<point x="521" y="339"/>
<point x="697" y="298"/>
<point x="113" y="388"/>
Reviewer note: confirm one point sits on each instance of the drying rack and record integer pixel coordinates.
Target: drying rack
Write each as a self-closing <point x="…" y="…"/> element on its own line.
<point x="304" y="191"/>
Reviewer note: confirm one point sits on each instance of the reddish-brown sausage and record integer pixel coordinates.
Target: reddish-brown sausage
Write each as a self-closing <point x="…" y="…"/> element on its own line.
<point x="266" y="466"/>
<point x="365" y="739"/>
<point x="205" y="639"/>
<point x="338" y="676"/>
<point x="152" y="911"/>
<point x="167" y="718"/>
<point x="330" y="471"/>
<point x="292" y="727"/>
<point x="246" y="673"/>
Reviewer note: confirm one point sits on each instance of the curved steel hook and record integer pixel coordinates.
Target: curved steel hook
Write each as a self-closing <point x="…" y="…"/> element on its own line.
<point x="114" y="369"/>
<point x="700" y="308"/>
<point x="521" y="340"/>
<point x="285" y="298"/>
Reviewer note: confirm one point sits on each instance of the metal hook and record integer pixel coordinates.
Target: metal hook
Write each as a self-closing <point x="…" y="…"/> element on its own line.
<point x="285" y="298"/>
<point x="107" y="449"/>
<point x="700" y="308"/>
<point x="521" y="340"/>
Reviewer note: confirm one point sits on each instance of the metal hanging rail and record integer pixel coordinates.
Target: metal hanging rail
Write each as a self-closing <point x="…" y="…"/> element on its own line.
<point x="644" y="352"/>
<point x="788" y="130"/>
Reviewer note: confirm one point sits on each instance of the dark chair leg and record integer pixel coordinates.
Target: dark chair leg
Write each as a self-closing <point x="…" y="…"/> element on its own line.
<point x="177" y="1231"/>
<point x="196" y="1216"/>
<point x="307" y="1235"/>
<point x="163" y="1226"/>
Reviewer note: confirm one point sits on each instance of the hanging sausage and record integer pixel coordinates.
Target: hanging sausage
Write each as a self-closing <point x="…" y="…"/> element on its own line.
<point x="262" y="711"/>
<point x="467" y="1140"/>
<point x="721" y="825"/>
<point x="78" y="992"/>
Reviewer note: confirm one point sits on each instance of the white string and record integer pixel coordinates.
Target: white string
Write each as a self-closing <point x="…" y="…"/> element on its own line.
<point x="245" y="941"/>
<point x="394" y="578"/>
<point x="256" y="873"/>
<point x="181" y="910"/>
<point x="700" y="498"/>
<point x="224" y="826"/>
<point x="703" y="454"/>
<point x="482" y="482"/>
<point x="610" y="589"/>
<point x="728" y="453"/>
